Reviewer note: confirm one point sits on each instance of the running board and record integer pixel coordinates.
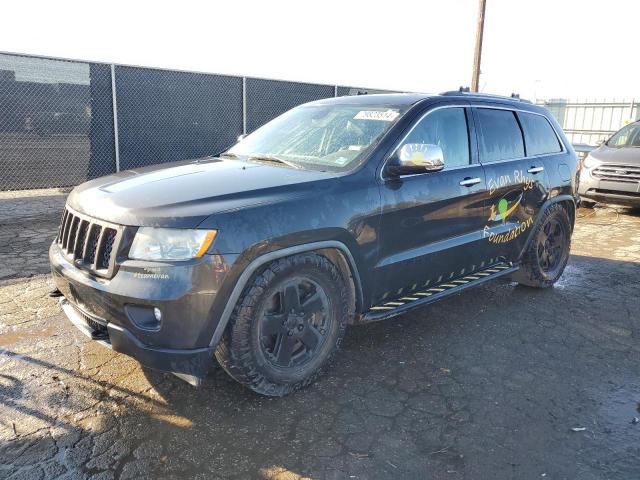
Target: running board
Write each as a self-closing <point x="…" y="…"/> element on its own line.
<point x="422" y="297"/>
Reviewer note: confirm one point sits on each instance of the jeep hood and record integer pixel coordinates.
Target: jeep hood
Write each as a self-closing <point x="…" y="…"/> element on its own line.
<point x="183" y="194"/>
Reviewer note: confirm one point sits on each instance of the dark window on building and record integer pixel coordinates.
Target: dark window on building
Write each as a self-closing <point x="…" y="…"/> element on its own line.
<point x="539" y="136"/>
<point x="500" y="137"/>
<point x="446" y="128"/>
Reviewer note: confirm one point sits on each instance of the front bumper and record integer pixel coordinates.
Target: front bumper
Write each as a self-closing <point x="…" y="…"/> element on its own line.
<point x="608" y="191"/>
<point x="189" y="364"/>
<point x="107" y="309"/>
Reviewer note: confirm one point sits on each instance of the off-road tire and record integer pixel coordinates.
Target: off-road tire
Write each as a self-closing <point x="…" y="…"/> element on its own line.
<point x="531" y="273"/>
<point x="587" y="203"/>
<point x="240" y="351"/>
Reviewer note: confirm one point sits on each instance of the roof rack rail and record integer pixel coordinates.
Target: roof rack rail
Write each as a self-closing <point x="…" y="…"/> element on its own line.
<point x="465" y="91"/>
<point x="457" y="92"/>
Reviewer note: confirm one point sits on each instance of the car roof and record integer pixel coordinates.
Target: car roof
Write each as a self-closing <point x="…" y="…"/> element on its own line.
<point x="408" y="99"/>
<point x="399" y="99"/>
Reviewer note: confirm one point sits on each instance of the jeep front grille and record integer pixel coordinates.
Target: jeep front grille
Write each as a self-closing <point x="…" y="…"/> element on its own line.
<point x="89" y="243"/>
<point x="617" y="173"/>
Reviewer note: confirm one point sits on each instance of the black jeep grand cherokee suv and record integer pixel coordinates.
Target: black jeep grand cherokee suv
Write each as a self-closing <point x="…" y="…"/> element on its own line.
<point x="342" y="211"/>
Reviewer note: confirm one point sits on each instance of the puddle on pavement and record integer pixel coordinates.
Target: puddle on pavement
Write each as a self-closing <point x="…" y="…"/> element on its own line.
<point x="11" y="338"/>
<point x="570" y="277"/>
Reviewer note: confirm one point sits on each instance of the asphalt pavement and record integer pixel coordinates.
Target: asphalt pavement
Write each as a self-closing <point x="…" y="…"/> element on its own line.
<point x="499" y="382"/>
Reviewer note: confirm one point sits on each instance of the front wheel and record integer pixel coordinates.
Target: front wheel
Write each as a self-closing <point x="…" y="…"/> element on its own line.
<point x="286" y="326"/>
<point x="548" y="254"/>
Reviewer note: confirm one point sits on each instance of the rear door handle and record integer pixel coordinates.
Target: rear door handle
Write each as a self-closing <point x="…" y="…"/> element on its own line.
<point x="467" y="182"/>
<point x="535" y="169"/>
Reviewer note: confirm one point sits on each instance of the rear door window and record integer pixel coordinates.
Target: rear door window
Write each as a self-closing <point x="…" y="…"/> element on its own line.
<point x="500" y="137"/>
<point x="539" y="136"/>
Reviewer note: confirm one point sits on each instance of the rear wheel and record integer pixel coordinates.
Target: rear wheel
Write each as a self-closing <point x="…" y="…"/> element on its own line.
<point x="587" y="203"/>
<point x="547" y="255"/>
<point x="286" y="326"/>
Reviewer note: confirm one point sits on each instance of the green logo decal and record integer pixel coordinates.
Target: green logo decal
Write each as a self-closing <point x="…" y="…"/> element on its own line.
<point x="503" y="210"/>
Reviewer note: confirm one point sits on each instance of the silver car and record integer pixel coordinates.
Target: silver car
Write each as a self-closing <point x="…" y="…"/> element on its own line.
<point x="611" y="172"/>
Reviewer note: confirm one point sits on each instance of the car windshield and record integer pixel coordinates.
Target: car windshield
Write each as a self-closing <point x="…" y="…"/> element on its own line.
<point x="320" y="137"/>
<point x="628" y="136"/>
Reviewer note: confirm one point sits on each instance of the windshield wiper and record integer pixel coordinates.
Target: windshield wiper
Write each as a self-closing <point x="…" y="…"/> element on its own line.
<point x="228" y="155"/>
<point x="273" y="159"/>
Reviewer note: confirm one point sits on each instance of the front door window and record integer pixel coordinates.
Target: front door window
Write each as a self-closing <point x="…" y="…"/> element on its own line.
<point x="446" y="128"/>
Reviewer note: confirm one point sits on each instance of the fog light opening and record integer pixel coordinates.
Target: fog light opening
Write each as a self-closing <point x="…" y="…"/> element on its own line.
<point x="145" y="317"/>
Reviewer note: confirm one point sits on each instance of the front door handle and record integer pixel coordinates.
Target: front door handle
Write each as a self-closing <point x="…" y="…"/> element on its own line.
<point x="535" y="169"/>
<point x="469" y="181"/>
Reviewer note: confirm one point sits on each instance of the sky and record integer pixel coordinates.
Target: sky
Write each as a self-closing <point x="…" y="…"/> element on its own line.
<point x="540" y="49"/>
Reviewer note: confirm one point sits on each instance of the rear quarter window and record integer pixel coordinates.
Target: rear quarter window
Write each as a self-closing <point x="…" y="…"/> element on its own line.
<point x="539" y="136"/>
<point x="500" y="135"/>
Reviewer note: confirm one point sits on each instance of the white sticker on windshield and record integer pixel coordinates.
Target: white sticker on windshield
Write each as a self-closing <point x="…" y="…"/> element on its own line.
<point x="341" y="160"/>
<point x="385" y="116"/>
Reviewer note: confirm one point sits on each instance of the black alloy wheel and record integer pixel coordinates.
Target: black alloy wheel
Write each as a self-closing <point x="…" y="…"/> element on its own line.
<point x="548" y="252"/>
<point x="552" y="245"/>
<point x="294" y="324"/>
<point x="287" y="325"/>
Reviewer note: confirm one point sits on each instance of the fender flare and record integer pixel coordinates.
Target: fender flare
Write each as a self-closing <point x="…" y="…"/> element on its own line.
<point x="545" y="206"/>
<point x="258" y="262"/>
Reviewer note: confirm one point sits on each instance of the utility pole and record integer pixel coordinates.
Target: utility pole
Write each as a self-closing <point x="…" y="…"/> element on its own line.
<point x="477" y="56"/>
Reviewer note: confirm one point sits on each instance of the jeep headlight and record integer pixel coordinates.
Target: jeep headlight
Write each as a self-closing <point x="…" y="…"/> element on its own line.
<point x="590" y="162"/>
<point x="170" y="243"/>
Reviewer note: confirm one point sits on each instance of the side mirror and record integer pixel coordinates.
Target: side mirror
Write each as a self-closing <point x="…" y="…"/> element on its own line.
<point x="415" y="158"/>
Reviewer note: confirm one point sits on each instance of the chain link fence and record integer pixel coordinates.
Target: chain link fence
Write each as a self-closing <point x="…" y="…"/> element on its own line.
<point x="266" y="99"/>
<point x="165" y="116"/>
<point x="50" y="112"/>
<point x="64" y="122"/>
